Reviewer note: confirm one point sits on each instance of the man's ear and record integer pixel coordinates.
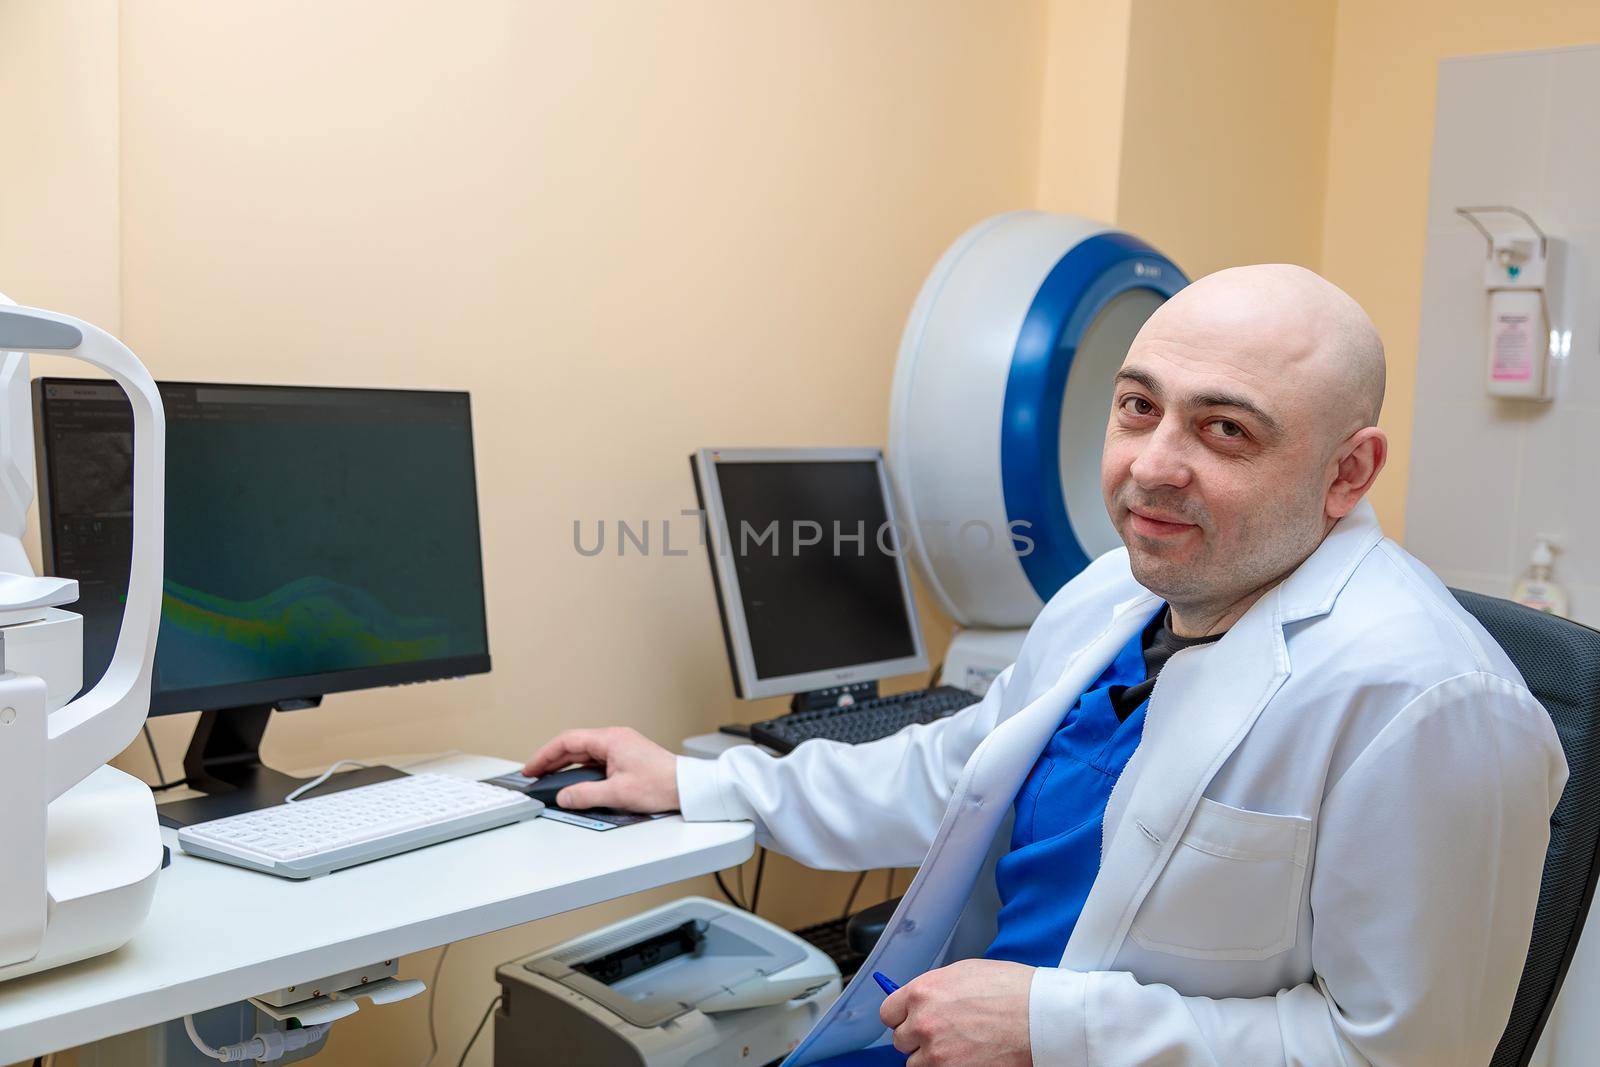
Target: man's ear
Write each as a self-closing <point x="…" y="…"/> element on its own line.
<point x="1356" y="464"/>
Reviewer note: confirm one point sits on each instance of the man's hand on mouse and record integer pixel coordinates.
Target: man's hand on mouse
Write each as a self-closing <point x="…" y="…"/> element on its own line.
<point x="641" y="776"/>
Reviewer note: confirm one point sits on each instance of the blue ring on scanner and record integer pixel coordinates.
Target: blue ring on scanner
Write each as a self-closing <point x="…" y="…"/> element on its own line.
<point x="1078" y="287"/>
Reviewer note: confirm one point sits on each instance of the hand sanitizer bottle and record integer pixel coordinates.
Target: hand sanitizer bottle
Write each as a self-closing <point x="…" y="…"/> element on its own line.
<point x="1538" y="590"/>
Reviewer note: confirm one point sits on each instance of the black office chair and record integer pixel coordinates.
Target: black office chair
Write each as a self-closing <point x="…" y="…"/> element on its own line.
<point x="1560" y="661"/>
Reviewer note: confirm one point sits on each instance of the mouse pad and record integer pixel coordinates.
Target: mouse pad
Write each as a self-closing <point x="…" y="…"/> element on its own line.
<point x="588" y="818"/>
<point x="596" y="818"/>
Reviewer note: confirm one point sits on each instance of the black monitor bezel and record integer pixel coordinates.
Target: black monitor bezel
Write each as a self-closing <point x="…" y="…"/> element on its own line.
<point x="310" y="687"/>
<point x="748" y="682"/>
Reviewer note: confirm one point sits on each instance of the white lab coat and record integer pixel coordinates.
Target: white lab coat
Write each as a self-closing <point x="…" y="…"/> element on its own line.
<point x="1325" y="851"/>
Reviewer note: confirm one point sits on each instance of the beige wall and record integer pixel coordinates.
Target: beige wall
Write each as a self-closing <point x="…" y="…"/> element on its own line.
<point x="1386" y="56"/>
<point x="1082" y="120"/>
<point x="1200" y="125"/>
<point x="1225" y="128"/>
<point x="58" y="169"/>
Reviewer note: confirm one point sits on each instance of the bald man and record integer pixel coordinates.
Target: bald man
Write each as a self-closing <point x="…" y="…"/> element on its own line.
<point x="1317" y="841"/>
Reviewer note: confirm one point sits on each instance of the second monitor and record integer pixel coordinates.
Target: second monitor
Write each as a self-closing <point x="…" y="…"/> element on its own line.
<point x="811" y="580"/>
<point x="814" y="592"/>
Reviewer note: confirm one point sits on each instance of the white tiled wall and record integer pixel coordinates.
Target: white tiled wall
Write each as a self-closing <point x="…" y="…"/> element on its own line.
<point x="1488" y="476"/>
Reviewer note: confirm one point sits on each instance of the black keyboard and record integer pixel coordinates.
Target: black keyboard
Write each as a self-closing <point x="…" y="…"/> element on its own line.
<point x="865" y="720"/>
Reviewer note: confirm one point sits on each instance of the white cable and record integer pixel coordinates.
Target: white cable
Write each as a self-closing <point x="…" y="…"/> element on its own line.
<point x="205" y="1049"/>
<point x="323" y="777"/>
<point x="263" y="1048"/>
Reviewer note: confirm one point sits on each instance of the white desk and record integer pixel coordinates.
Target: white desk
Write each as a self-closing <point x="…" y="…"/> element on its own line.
<point x="218" y="934"/>
<point x="710" y="746"/>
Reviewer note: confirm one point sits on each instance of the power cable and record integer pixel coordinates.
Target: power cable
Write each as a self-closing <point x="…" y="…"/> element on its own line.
<point x="725" y="891"/>
<point x="433" y="1001"/>
<point x="161" y="776"/>
<point x="473" y="1040"/>
<point x="850" y="900"/>
<point x="300" y="791"/>
<point x="761" y="868"/>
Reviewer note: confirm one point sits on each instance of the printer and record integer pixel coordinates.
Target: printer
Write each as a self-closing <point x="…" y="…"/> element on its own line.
<point x="690" y="982"/>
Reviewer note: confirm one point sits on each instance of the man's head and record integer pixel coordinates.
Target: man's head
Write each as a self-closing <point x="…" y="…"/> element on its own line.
<point x="1242" y="428"/>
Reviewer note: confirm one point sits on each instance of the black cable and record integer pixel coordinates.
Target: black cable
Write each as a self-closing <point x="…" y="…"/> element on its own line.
<point x="888" y="884"/>
<point x="849" y="901"/>
<point x="934" y="677"/>
<point x="493" y="1004"/>
<point x="433" y="1004"/>
<point x="724" y="887"/>
<point x="761" y="867"/>
<point x="738" y="874"/>
<point x="161" y="776"/>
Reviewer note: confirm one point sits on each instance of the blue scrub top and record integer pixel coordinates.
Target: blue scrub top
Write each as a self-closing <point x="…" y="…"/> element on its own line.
<point x="1055" y="842"/>
<point x="1044" y="879"/>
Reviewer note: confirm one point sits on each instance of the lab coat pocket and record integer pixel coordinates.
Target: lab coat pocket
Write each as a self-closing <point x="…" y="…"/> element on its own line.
<point x="1231" y="890"/>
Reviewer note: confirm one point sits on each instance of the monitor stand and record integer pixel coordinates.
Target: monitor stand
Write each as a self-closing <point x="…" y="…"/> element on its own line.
<point x="224" y="763"/>
<point x="833" y="696"/>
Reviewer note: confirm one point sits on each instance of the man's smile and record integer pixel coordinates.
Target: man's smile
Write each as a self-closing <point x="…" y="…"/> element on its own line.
<point x="1153" y="524"/>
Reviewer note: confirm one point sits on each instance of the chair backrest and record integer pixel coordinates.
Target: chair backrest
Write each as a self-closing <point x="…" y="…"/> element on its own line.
<point x="1560" y="661"/>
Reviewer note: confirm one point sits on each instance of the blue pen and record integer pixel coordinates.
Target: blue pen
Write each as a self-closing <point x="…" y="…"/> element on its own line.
<point x="887" y="984"/>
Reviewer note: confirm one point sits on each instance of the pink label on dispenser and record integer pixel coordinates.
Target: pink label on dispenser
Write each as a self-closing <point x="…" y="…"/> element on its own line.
<point x="1513" y="348"/>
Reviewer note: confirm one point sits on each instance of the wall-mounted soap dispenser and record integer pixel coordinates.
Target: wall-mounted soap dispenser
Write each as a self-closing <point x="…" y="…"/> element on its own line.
<point x="1518" y="275"/>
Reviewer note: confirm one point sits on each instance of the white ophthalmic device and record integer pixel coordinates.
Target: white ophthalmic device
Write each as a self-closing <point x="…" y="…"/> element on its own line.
<point x="81" y="848"/>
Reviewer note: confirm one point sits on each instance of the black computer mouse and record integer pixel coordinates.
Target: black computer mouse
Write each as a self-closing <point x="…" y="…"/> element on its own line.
<point x="545" y="787"/>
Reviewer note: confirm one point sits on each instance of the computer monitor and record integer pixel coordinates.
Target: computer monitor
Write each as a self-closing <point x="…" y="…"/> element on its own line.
<point x="807" y="559"/>
<point x="318" y="540"/>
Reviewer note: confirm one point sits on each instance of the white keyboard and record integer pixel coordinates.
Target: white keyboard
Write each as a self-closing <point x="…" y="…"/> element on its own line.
<point x="367" y="822"/>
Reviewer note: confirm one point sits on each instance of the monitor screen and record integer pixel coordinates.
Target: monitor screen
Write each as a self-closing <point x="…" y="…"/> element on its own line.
<point x="815" y="567"/>
<point x="317" y="540"/>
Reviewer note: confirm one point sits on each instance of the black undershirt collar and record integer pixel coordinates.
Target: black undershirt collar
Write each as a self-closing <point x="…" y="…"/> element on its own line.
<point x="1159" y="643"/>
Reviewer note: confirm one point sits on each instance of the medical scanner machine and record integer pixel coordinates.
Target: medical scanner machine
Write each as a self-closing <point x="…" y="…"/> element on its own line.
<point x="81" y="846"/>
<point x="691" y="982"/>
<point x="998" y="415"/>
